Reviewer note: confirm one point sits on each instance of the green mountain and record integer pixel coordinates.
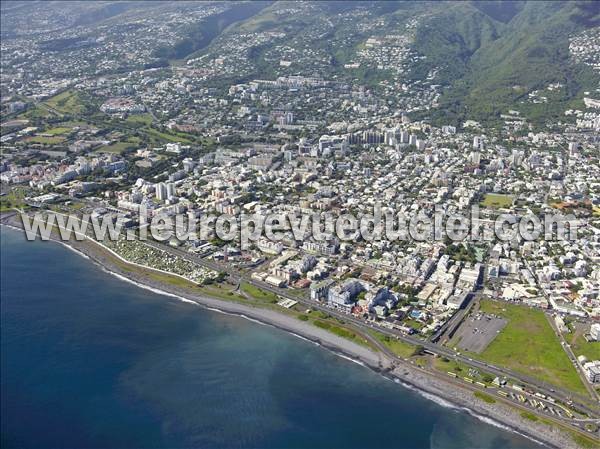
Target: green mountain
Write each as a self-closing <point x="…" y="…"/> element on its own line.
<point x="492" y="54"/>
<point x="489" y="55"/>
<point x="525" y="53"/>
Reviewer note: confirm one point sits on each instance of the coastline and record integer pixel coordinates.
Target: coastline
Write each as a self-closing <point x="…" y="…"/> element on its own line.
<point x="408" y="375"/>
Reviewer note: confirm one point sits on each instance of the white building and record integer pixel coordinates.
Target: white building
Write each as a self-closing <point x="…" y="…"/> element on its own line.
<point x="592" y="371"/>
<point x="595" y="332"/>
<point x="161" y="191"/>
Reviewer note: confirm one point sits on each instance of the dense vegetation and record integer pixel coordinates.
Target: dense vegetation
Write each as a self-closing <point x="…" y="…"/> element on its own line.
<point x="495" y="53"/>
<point x="201" y="34"/>
<point x="492" y="54"/>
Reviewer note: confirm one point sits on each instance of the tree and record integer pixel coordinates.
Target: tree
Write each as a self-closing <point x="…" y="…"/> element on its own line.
<point x="418" y="350"/>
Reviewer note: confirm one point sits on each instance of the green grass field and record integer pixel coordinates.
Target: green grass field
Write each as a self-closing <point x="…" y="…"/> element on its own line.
<point x="142" y="119"/>
<point x="39" y="111"/>
<point x="57" y="131"/>
<point x="117" y="147"/>
<point x="337" y="330"/>
<point x="584" y="441"/>
<point x="258" y="293"/>
<point x="591" y="350"/>
<point x="461" y="370"/>
<point x="67" y="102"/>
<point x="528" y="345"/>
<point x="337" y="327"/>
<point x="497" y="201"/>
<point x="398" y="347"/>
<point x="53" y="140"/>
<point x="12" y="199"/>
<point x="166" y="137"/>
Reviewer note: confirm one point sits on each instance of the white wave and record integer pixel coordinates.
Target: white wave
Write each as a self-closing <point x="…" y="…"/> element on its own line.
<point x="439" y="400"/>
<point x="262" y="323"/>
<point x="304" y="338"/>
<point x="254" y="320"/>
<point x="152" y="289"/>
<point x="447" y="404"/>
<point x="432" y="397"/>
<point x="12" y="227"/>
<point x="85" y="256"/>
<point x="238" y="315"/>
<point x="213" y="309"/>
<point x="358" y="362"/>
<point x="69" y="247"/>
<point x="429" y="396"/>
<point x="493" y="422"/>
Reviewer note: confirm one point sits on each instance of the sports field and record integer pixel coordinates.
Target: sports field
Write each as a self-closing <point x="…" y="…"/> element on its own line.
<point x="52" y="140"/>
<point x="57" y="131"/>
<point x="497" y="201"/>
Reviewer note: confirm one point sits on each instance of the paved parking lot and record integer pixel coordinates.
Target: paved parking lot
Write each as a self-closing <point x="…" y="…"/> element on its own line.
<point x="477" y="332"/>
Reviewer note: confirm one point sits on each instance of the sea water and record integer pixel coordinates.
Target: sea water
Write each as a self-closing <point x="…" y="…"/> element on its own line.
<point x="89" y="360"/>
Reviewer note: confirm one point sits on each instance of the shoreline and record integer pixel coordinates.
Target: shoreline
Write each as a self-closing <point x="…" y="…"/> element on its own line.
<point x="407" y="374"/>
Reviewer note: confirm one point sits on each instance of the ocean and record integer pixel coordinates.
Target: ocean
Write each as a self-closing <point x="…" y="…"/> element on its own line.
<point x="89" y="360"/>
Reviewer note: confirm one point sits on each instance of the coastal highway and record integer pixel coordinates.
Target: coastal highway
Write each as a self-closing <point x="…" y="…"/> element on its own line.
<point x="526" y="402"/>
<point x="361" y="325"/>
<point x="397" y="362"/>
<point x="535" y="384"/>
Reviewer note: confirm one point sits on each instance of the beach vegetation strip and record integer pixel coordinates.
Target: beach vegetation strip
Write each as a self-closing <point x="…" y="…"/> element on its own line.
<point x="446" y="365"/>
<point x="335" y="326"/>
<point x="584" y="441"/>
<point x="258" y="293"/>
<point x="246" y="291"/>
<point x="529" y="416"/>
<point x="580" y="439"/>
<point x="484" y="397"/>
<point x="398" y="347"/>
